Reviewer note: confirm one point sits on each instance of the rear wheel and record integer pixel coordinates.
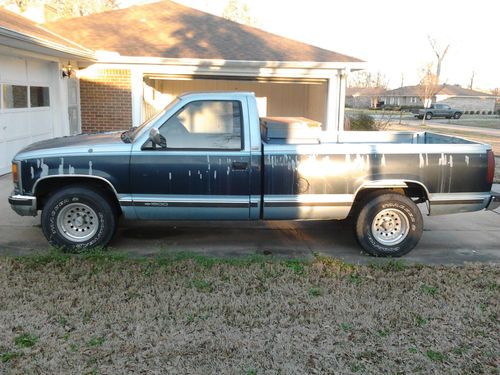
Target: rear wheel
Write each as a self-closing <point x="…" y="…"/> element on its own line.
<point x="77" y="218"/>
<point x="457" y="115"/>
<point x="389" y="225"/>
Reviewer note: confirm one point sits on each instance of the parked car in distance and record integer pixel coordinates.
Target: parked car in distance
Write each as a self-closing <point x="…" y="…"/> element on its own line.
<point x="439" y="110"/>
<point x="208" y="156"/>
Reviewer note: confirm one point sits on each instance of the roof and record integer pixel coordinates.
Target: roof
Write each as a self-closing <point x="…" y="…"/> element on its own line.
<point x="365" y="91"/>
<point x="450" y="90"/>
<point x="10" y="21"/>
<point x="169" y="30"/>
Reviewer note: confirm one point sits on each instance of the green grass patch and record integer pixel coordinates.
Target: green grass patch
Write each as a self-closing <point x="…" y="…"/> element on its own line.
<point x="8" y="356"/>
<point x="435" y="356"/>
<point x="430" y="290"/>
<point x="25" y="340"/>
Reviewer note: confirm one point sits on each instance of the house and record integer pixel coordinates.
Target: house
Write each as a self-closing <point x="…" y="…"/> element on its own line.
<point x="364" y="97"/>
<point x="454" y="95"/>
<point x="126" y="64"/>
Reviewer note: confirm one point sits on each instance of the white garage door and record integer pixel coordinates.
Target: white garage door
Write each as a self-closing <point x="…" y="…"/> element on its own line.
<point x="26" y="112"/>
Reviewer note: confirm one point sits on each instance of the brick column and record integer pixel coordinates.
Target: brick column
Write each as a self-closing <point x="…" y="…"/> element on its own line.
<point x="105" y="99"/>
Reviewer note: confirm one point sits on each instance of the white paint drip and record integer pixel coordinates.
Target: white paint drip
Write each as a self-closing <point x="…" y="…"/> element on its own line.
<point x="71" y="169"/>
<point x="467" y="160"/>
<point x="201" y="177"/>
<point x="45" y="169"/>
<point x="38" y="163"/>
<point x="422" y="161"/>
<point x="170" y="176"/>
<point x="189" y="173"/>
<point x="32" y="172"/>
<point x="215" y="175"/>
<point x="90" y="168"/>
<point x="382" y="162"/>
<point x="426" y="160"/>
<point x="227" y="171"/>
<point x="61" y="166"/>
<point x="451" y="161"/>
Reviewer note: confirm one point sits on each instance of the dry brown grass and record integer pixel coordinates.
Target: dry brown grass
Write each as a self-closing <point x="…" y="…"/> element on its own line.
<point x="94" y="314"/>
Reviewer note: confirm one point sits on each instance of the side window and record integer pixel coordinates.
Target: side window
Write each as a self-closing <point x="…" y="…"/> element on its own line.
<point x="205" y="124"/>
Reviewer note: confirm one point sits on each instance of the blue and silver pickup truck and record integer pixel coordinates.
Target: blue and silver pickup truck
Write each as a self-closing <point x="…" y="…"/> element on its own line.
<point x="208" y="156"/>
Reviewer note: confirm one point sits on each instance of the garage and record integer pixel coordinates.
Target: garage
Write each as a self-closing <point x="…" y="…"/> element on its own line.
<point x="39" y="95"/>
<point x="275" y="96"/>
<point x="26" y="112"/>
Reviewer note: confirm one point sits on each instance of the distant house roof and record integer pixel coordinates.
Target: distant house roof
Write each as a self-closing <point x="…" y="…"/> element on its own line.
<point x="169" y="30"/>
<point x="16" y="24"/>
<point x="450" y="90"/>
<point x="365" y="91"/>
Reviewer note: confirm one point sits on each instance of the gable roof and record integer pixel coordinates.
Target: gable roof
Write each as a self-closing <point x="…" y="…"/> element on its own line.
<point x="169" y="30"/>
<point x="450" y="90"/>
<point x="12" y="22"/>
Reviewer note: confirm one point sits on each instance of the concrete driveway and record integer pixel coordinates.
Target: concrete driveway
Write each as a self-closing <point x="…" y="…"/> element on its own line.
<point x="451" y="239"/>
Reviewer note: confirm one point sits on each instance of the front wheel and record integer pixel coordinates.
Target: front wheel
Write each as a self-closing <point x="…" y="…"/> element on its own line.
<point x="389" y="225"/>
<point x="428" y="116"/>
<point x="77" y="218"/>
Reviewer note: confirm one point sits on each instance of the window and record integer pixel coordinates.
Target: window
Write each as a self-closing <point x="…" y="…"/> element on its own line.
<point x="14" y="96"/>
<point x="39" y="96"/>
<point x="214" y="124"/>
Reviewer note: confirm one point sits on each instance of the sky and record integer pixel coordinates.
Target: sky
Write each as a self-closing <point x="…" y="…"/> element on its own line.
<point x="390" y="35"/>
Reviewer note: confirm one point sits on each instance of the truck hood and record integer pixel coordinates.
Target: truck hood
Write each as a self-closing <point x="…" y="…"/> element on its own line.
<point x="75" y="140"/>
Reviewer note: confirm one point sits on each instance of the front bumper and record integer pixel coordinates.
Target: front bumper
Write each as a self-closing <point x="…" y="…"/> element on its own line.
<point x="23" y="205"/>
<point x="494" y="202"/>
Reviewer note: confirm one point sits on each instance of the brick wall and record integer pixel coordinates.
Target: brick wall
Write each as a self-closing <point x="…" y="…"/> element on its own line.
<point x="105" y="99"/>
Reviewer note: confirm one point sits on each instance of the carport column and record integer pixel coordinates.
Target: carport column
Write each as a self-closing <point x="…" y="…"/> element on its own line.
<point x="336" y="101"/>
<point x="136" y="74"/>
<point x="332" y="104"/>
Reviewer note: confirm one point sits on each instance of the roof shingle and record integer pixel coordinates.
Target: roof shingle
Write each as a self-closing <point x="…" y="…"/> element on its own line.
<point x="169" y="30"/>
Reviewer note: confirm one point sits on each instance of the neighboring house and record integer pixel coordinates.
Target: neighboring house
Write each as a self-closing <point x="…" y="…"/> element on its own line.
<point x="453" y="95"/>
<point x="364" y="97"/>
<point x="131" y="62"/>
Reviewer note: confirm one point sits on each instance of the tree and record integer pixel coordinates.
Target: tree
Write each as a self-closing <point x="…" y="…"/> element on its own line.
<point x="440" y="54"/>
<point x="367" y="79"/>
<point x="239" y="12"/>
<point x="428" y="86"/>
<point x="64" y="8"/>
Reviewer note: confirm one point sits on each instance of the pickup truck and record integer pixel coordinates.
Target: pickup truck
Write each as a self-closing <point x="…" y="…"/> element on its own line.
<point x="208" y="156"/>
<point x="439" y="110"/>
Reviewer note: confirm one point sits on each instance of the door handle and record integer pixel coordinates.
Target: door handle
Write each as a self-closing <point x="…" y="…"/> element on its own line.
<point x="240" y="165"/>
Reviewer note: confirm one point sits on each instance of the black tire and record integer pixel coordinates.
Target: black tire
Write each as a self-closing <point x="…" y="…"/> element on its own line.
<point x="407" y="225"/>
<point x="428" y="115"/>
<point x="79" y="230"/>
<point x="457" y="115"/>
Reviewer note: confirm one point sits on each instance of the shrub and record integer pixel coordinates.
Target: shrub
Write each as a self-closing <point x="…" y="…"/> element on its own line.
<point x="478" y="112"/>
<point x="490" y="112"/>
<point x="466" y="112"/>
<point x="362" y="121"/>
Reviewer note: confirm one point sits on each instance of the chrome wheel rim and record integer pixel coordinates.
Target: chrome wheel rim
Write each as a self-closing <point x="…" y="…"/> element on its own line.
<point x="390" y="227"/>
<point x="77" y="222"/>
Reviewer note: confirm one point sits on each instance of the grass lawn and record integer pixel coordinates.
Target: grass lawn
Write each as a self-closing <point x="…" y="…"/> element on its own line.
<point x="105" y="313"/>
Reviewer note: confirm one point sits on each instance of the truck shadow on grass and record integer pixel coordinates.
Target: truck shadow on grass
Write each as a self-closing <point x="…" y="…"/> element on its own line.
<point x="284" y="238"/>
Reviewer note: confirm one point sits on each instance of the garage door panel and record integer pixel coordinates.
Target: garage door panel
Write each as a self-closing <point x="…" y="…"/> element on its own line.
<point x="39" y="72"/>
<point x="12" y="69"/>
<point x="41" y="123"/>
<point x="16" y="125"/>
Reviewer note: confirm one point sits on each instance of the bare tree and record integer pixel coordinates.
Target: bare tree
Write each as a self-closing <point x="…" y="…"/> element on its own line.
<point x="64" y="8"/>
<point x="366" y="79"/>
<point x="428" y="86"/>
<point x="440" y="54"/>
<point x="239" y="12"/>
<point x="471" y="84"/>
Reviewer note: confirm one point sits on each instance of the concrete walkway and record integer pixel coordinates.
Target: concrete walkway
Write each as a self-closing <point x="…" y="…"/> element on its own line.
<point x="436" y="124"/>
<point x="451" y="239"/>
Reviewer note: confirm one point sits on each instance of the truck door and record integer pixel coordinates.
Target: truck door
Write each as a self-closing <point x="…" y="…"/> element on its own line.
<point x="202" y="170"/>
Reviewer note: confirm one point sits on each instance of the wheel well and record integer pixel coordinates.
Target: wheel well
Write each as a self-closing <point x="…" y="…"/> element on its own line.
<point x="414" y="191"/>
<point x="47" y="187"/>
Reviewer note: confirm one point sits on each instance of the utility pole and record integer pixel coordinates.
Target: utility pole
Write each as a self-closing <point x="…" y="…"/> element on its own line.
<point x="472" y="80"/>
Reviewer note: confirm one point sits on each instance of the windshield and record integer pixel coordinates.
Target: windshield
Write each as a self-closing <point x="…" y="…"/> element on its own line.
<point x="132" y="133"/>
